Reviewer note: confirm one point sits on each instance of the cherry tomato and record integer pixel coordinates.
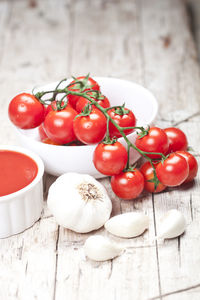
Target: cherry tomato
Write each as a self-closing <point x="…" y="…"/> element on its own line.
<point x="25" y="111"/>
<point x="173" y="171"/>
<point x="177" y="139"/>
<point x="110" y="159"/>
<point x="90" y="129"/>
<point x="155" y="141"/>
<point x="87" y="84"/>
<point x="147" y="170"/>
<point x="82" y="102"/>
<point x="193" y="165"/>
<point x="124" y="118"/>
<point x="59" y="125"/>
<point x="128" y="185"/>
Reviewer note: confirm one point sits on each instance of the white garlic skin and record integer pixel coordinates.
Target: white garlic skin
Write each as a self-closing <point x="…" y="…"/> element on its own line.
<point x="68" y="203"/>
<point x="128" y="225"/>
<point x="99" y="248"/>
<point x="172" y="225"/>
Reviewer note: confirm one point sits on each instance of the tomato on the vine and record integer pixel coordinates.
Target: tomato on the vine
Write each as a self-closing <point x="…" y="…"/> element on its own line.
<point x="58" y="125"/>
<point x="90" y="128"/>
<point x="81" y="84"/>
<point x="148" y="172"/>
<point x="177" y="139"/>
<point x="124" y="117"/>
<point x="100" y="99"/>
<point x="110" y="159"/>
<point x="25" y="111"/>
<point x="193" y="165"/>
<point x="173" y="171"/>
<point x="155" y="140"/>
<point x="128" y="185"/>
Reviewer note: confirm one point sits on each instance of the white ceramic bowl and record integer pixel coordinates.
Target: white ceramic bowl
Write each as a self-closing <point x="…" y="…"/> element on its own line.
<point x="62" y="159"/>
<point x="22" y="209"/>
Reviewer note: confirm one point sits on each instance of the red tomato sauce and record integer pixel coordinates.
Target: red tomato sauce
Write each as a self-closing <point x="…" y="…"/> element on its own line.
<point x="17" y="170"/>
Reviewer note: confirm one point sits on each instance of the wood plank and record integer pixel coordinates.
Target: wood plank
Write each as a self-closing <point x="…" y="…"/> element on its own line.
<point x="170" y="58"/>
<point x="109" y="48"/>
<point x="193" y="7"/>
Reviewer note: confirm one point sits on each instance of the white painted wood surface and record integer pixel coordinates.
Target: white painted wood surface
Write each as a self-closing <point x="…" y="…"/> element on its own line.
<point x="144" y="41"/>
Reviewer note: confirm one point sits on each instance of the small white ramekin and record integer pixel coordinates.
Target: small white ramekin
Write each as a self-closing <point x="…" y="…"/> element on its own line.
<point x="22" y="209"/>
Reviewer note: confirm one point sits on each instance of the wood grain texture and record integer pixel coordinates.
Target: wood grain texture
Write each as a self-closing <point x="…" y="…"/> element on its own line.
<point x="144" y="41"/>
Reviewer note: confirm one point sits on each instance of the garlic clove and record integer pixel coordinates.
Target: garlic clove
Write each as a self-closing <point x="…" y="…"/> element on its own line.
<point x="128" y="225"/>
<point x="99" y="248"/>
<point x="172" y="225"/>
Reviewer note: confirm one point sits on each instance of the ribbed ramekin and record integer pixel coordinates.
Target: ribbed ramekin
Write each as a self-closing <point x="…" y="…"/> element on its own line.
<point x="22" y="209"/>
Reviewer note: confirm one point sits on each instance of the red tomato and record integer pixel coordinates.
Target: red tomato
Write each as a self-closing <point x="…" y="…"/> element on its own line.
<point x="59" y="125"/>
<point x="88" y="83"/>
<point x="110" y="159"/>
<point x="124" y="118"/>
<point x="147" y="170"/>
<point x="82" y="102"/>
<point x="25" y="111"/>
<point x="177" y="139"/>
<point x="128" y="185"/>
<point x="90" y="129"/>
<point x="155" y="141"/>
<point x="192" y="162"/>
<point x="173" y="171"/>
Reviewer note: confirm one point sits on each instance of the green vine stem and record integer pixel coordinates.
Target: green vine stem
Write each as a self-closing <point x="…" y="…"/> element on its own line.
<point x="85" y="94"/>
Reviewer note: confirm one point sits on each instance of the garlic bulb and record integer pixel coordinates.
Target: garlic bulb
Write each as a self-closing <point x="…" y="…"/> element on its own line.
<point x="79" y="202"/>
<point x="172" y="225"/>
<point x="100" y="248"/>
<point x="128" y="225"/>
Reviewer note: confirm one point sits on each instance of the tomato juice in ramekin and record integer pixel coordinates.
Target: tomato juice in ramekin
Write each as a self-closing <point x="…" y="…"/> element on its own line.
<point x="17" y="170"/>
<point x="21" y="189"/>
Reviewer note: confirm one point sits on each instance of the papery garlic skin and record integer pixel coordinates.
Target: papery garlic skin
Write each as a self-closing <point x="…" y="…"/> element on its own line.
<point x="99" y="248"/>
<point x="172" y="225"/>
<point x="128" y="225"/>
<point x="79" y="202"/>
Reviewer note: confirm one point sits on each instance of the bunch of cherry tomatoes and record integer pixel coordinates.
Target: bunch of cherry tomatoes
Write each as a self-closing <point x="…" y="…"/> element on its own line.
<point x="79" y="114"/>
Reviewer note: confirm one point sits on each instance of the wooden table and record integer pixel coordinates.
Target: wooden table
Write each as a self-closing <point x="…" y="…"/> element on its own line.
<point x="148" y="42"/>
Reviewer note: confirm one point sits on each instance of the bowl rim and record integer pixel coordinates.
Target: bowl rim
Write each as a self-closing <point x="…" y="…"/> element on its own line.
<point x="153" y="99"/>
<point x="38" y="177"/>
